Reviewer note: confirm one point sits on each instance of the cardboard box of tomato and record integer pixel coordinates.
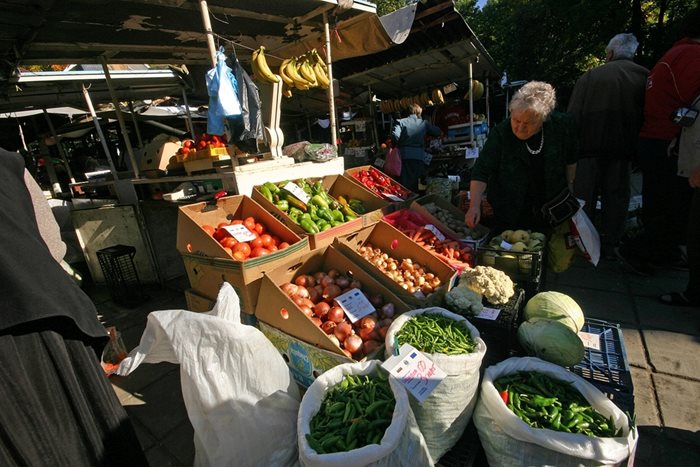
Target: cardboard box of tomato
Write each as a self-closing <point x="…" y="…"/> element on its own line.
<point x="405" y="254"/>
<point x="382" y="185"/>
<point x="307" y="348"/>
<point x="337" y="186"/>
<point x="209" y="263"/>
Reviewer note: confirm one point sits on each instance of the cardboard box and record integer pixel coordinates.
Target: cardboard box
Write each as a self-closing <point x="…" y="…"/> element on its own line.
<point x="160" y="156"/>
<point x="395" y="203"/>
<point x="336" y="185"/>
<point x="206" y="262"/>
<point x="197" y="302"/>
<point x="398" y="246"/>
<point x="277" y="309"/>
<point x="418" y="206"/>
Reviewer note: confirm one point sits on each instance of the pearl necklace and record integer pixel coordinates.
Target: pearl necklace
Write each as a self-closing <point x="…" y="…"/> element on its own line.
<point x="538" y="150"/>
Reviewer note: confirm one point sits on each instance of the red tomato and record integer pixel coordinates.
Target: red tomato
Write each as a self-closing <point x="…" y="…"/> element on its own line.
<point x="243" y="248"/>
<point x="228" y="242"/>
<point x="259" y="251"/>
<point x="249" y="222"/>
<point x="208" y="229"/>
<point x="229" y="251"/>
<point x="239" y="256"/>
<point x="184" y="150"/>
<point x="236" y="222"/>
<point x="220" y="234"/>
<point x="275" y="239"/>
<point x="188" y="143"/>
<point x="273" y="248"/>
<point x="257" y="243"/>
<point x="259" y="228"/>
<point x="282" y="245"/>
<point x="266" y="240"/>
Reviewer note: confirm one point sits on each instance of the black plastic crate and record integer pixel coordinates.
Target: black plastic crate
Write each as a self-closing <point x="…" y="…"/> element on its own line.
<point x="117" y="264"/>
<point x="608" y="368"/>
<point x="520" y="266"/>
<point x="500" y="334"/>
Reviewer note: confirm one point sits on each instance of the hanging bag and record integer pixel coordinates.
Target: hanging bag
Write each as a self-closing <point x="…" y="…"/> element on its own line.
<point x="223" y="95"/>
<point x="392" y="166"/>
<point x="561" y="208"/>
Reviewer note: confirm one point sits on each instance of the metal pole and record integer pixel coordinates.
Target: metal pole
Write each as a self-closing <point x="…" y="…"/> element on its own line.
<point x="187" y="112"/>
<point x="471" y="104"/>
<point x="101" y="135"/>
<point x="136" y="123"/>
<point x="59" y="145"/>
<point x="488" y="104"/>
<point x="120" y="118"/>
<point x="207" y="29"/>
<point x="331" y="96"/>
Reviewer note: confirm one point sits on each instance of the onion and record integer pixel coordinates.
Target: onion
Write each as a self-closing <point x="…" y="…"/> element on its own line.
<point x="330" y="292"/>
<point x="333" y="273"/>
<point x="383" y="331"/>
<point x="318" y="276"/>
<point x="385" y="323"/>
<point x="328" y="327"/>
<point x="289" y="288"/>
<point x="307" y="311"/>
<point x="334" y="339"/>
<point x="301" y="301"/>
<point x="302" y="292"/>
<point x="353" y="343"/>
<point x="388" y="310"/>
<point x="316" y="321"/>
<point x="342" y="282"/>
<point x="314" y="295"/>
<point x="321" y="309"/>
<point x="319" y="289"/>
<point x="368" y="322"/>
<point x="355" y="284"/>
<point x="326" y="281"/>
<point x="342" y="331"/>
<point x="336" y="314"/>
<point x="369" y="347"/>
<point x="376" y="300"/>
<point x="367" y="334"/>
<point x="304" y="280"/>
<point x="347" y="354"/>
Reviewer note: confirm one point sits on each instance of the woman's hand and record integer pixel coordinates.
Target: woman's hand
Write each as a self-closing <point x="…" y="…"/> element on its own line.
<point x="473" y="215"/>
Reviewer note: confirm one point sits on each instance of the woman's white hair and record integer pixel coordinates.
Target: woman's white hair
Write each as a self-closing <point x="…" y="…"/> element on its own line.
<point x="536" y="96"/>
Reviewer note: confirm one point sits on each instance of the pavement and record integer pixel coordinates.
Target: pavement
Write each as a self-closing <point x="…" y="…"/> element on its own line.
<point x="662" y="346"/>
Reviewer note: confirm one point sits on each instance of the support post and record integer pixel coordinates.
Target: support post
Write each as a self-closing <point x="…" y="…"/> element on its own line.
<point x="61" y="151"/>
<point x="98" y="128"/>
<point x="331" y="95"/>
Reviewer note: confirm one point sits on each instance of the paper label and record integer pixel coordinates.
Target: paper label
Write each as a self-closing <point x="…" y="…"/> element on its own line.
<point x="240" y="232"/>
<point x="296" y="190"/>
<point x="506" y="246"/>
<point x="355" y="304"/>
<point x="379" y="162"/>
<point x="391" y="197"/>
<point x="592" y="341"/>
<point x="439" y="235"/>
<point x="489" y="313"/>
<point x="471" y="153"/>
<point x="415" y="371"/>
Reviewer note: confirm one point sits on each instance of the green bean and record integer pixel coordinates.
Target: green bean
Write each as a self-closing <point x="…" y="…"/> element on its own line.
<point x="435" y="333"/>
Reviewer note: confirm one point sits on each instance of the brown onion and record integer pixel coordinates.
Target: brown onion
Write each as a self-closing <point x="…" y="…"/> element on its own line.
<point x="307" y="311"/>
<point x="289" y="288"/>
<point x="305" y="280"/>
<point x="321" y="309"/>
<point x="302" y="291"/>
<point x="368" y="322"/>
<point x="353" y="343"/>
<point x="316" y="321"/>
<point x="318" y="276"/>
<point x="371" y="346"/>
<point x="333" y="273"/>
<point x="330" y="292"/>
<point x="347" y="354"/>
<point x="314" y="295"/>
<point x="355" y="284"/>
<point x="328" y="327"/>
<point x="301" y="301"/>
<point x="342" y="331"/>
<point x="335" y="314"/>
<point x="326" y="281"/>
<point x="368" y="334"/>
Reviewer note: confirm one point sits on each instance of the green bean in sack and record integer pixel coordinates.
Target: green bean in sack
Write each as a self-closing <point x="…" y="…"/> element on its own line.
<point x="454" y="345"/>
<point x="355" y="415"/>
<point x="532" y="412"/>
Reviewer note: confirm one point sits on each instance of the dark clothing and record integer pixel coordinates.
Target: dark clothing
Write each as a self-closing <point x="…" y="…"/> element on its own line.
<point x="692" y="292"/>
<point x="409" y="135"/>
<point x="506" y="167"/>
<point x="56" y="405"/>
<point x="607" y="104"/>
<point x="411" y="171"/>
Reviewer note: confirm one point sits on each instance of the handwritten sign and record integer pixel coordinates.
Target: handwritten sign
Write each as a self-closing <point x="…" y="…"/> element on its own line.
<point x="419" y="375"/>
<point x="489" y="313"/>
<point x="592" y="341"/>
<point x="439" y="235"/>
<point x="240" y="232"/>
<point x="391" y="197"/>
<point x="506" y="246"/>
<point x="296" y="190"/>
<point x="355" y="304"/>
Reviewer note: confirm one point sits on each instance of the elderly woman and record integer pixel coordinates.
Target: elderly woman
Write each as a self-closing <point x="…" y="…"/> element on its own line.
<point x="525" y="162"/>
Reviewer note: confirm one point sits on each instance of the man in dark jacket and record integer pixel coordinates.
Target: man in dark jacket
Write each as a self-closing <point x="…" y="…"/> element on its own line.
<point x="608" y="103"/>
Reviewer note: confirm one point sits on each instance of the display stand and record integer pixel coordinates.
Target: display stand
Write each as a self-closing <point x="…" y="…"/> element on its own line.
<point x="271" y="94"/>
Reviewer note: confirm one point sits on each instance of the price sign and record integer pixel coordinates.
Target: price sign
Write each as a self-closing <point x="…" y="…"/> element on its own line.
<point x="489" y="313"/>
<point x="439" y="235"/>
<point x="415" y="371"/>
<point x="296" y="190"/>
<point x="471" y="153"/>
<point x="379" y="162"/>
<point x="506" y="246"/>
<point x="391" y="197"/>
<point x="355" y="304"/>
<point x="240" y="232"/>
<point x="592" y="341"/>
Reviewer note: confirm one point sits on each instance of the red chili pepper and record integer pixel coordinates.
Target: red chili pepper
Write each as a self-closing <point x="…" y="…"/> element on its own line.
<point x="504" y="396"/>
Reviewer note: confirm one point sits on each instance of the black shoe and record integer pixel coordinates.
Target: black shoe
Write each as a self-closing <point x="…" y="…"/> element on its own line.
<point x="677" y="264"/>
<point x="677" y="299"/>
<point x="635" y="265"/>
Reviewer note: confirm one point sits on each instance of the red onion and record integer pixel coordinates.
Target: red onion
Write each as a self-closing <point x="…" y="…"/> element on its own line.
<point x="388" y="310"/>
<point x="318" y="276"/>
<point x="314" y="295"/>
<point x="289" y="288"/>
<point x="333" y="273"/>
<point x="342" y="282"/>
<point x="342" y="331"/>
<point x="335" y="314"/>
<point x="376" y="300"/>
<point x="330" y="292"/>
<point x="352" y="343"/>
<point x="326" y="281"/>
<point x="382" y="331"/>
<point x="371" y="346"/>
<point x="355" y="284"/>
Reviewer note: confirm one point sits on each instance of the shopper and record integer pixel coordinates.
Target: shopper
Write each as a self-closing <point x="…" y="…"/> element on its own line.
<point x="607" y="103"/>
<point x="57" y="406"/>
<point x="409" y="136"/>
<point x="526" y="161"/>
<point x="673" y="83"/>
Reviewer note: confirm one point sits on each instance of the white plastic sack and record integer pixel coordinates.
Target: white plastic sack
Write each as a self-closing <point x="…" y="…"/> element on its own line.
<point x="444" y="415"/>
<point x="585" y="235"/>
<point x="402" y="444"/>
<point x="239" y="394"/>
<point x="509" y="441"/>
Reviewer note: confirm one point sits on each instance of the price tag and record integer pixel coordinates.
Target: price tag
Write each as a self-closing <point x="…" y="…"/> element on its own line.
<point x="355" y="304"/>
<point x="489" y="313"/>
<point x="439" y="235"/>
<point x="379" y="162"/>
<point x="296" y="190"/>
<point x="506" y="246"/>
<point x="592" y="341"/>
<point x="391" y="197"/>
<point x="240" y="232"/>
<point x="415" y="371"/>
<point x="471" y="153"/>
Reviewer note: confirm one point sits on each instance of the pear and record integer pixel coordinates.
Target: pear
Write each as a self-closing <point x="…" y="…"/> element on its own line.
<point x="506" y="235"/>
<point x="520" y="236"/>
<point x="518" y="246"/>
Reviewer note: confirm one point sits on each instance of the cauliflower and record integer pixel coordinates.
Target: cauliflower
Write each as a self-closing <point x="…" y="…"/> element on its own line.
<point x="493" y="284"/>
<point x="464" y="301"/>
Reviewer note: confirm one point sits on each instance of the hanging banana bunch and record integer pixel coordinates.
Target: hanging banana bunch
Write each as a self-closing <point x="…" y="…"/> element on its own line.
<point x="303" y="73"/>
<point x="261" y="70"/>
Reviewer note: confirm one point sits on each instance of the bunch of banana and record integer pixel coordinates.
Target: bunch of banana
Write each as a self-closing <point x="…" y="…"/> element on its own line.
<point x="261" y="70"/>
<point x="437" y="96"/>
<point x="304" y="72"/>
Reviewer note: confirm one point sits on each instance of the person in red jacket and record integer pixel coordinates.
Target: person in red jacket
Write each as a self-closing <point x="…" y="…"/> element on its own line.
<point x="673" y="83"/>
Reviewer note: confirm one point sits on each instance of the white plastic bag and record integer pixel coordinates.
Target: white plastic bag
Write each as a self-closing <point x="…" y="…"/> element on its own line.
<point x="585" y="235"/>
<point x="509" y="441"/>
<point x="402" y="444"/>
<point x="239" y="394"/>
<point x="444" y="415"/>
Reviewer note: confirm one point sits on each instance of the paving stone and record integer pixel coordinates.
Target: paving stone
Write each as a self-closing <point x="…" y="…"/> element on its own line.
<point x="160" y="457"/>
<point x="180" y="443"/>
<point x="654" y="315"/>
<point x="680" y="406"/>
<point x="657" y="447"/>
<point x="145" y="375"/>
<point x="608" y="306"/>
<point x="645" y="407"/>
<point x="634" y="347"/>
<point x="592" y="278"/>
<point x="673" y="353"/>
<point x="146" y="439"/>
<point x="671" y="281"/>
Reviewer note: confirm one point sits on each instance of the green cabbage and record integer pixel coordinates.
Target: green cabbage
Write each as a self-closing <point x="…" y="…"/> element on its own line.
<point x="551" y="341"/>
<point x="555" y="306"/>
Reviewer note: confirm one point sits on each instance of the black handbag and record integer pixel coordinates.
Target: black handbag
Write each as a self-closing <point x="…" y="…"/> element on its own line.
<point x="561" y="208"/>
